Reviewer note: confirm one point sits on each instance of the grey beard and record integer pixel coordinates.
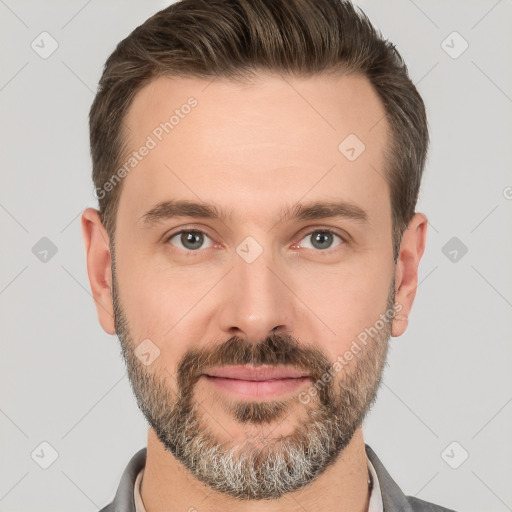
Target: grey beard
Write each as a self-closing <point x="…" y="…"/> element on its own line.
<point x="258" y="468"/>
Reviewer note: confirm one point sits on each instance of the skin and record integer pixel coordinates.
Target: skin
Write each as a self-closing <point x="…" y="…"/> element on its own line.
<point x="254" y="149"/>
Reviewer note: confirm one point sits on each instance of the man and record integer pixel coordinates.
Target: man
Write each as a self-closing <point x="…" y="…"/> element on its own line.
<point x="257" y="165"/>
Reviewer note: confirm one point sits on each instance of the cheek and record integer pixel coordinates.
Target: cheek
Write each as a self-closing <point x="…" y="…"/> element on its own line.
<point x="163" y="305"/>
<point x="342" y="304"/>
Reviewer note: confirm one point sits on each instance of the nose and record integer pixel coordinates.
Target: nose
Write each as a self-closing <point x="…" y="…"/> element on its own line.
<point x="256" y="301"/>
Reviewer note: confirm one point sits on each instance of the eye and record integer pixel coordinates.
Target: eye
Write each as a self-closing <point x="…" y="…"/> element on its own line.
<point x="190" y="240"/>
<point x="321" y="239"/>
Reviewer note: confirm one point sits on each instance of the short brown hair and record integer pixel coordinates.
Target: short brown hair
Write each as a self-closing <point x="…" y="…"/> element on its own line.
<point x="236" y="39"/>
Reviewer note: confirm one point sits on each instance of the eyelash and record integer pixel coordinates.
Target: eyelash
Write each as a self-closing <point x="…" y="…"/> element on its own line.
<point x="198" y="231"/>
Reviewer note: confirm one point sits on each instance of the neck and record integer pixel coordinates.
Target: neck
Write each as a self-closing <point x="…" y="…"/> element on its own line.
<point x="168" y="486"/>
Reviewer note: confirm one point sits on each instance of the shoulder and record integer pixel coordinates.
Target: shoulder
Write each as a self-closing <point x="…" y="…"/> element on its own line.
<point x="424" y="506"/>
<point x="124" y="498"/>
<point x="393" y="499"/>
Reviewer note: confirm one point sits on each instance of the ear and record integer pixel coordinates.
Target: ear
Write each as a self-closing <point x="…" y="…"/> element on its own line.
<point x="97" y="250"/>
<point x="406" y="278"/>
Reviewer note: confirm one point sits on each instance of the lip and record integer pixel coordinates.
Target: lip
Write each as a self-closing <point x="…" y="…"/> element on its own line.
<point x="256" y="373"/>
<point x="256" y="381"/>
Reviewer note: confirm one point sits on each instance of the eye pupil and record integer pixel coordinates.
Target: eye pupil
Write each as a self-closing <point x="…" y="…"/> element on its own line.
<point x="322" y="240"/>
<point x="192" y="240"/>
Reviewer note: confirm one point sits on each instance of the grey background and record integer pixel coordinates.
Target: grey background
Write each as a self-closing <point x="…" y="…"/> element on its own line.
<point x="449" y="379"/>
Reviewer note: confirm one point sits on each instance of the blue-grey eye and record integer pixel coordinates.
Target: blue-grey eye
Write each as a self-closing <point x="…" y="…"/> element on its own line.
<point x="190" y="240"/>
<point x="321" y="239"/>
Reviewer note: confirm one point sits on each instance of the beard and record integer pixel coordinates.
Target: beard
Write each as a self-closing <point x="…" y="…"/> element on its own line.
<point x="261" y="466"/>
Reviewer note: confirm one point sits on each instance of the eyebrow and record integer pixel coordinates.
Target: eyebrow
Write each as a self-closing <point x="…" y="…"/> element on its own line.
<point x="166" y="210"/>
<point x="324" y="210"/>
<point x="182" y="208"/>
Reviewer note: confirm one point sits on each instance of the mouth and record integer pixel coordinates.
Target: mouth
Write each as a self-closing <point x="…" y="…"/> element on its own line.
<point x="254" y="382"/>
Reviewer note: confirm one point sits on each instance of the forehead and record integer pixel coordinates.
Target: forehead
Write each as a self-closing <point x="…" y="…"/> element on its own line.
<point x="269" y="142"/>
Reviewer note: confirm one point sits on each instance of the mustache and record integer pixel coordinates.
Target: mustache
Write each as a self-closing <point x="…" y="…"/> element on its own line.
<point x="276" y="350"/>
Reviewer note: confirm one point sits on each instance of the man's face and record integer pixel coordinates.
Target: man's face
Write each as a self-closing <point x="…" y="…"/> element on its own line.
<point x="247" y="313"/>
